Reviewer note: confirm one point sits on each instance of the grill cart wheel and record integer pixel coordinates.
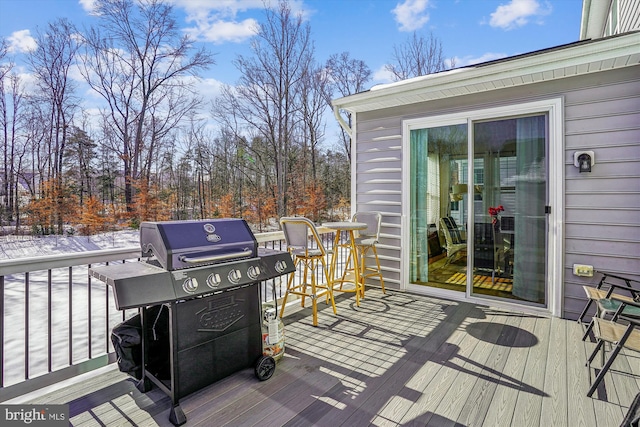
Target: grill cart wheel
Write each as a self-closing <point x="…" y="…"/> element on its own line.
<point x="265" y="367"/>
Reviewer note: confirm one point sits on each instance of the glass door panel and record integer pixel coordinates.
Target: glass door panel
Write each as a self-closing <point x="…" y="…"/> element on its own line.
<point x="439" y="207"/>
<point x="509" y="221"/>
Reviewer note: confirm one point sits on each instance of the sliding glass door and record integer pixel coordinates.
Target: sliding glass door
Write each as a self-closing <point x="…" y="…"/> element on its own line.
<point x="510" y="226"/>
<point x="478" y="194"/>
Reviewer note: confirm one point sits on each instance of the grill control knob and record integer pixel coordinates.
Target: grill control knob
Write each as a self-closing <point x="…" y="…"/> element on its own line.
<point x="213" y="281"/>
<point x="190" y="285"/>
<point x="253" y="272"/>
<point x="281" y="266"/>
<point x="235" y="276"/>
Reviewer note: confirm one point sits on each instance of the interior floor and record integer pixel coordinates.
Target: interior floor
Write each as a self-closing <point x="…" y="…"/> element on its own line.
<point x="453" y="275"/>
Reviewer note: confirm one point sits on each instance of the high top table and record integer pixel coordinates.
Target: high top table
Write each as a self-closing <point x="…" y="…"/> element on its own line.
<point x="358" y="285"/>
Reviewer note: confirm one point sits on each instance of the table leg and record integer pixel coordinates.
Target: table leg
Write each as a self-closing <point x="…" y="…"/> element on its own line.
<point x="357" y="280"/>
<point x="334" y="260"/>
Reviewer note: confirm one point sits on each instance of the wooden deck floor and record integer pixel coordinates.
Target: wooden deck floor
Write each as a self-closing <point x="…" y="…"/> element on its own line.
<point x="397" y="360"/>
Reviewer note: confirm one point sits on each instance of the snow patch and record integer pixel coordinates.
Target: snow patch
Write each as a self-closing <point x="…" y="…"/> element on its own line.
<point x="12" y="247"/>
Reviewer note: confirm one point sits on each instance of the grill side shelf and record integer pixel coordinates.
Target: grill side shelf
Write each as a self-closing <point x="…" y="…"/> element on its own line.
<point x="136" y="284"/>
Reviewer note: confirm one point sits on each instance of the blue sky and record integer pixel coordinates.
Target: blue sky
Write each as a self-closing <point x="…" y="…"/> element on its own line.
<point x="471" y="31"/>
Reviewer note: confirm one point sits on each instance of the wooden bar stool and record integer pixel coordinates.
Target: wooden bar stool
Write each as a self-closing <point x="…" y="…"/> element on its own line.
<point x="305" y="246"/>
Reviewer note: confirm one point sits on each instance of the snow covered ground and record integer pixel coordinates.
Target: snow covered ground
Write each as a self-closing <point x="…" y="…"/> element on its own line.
<point x="12" y="247"/>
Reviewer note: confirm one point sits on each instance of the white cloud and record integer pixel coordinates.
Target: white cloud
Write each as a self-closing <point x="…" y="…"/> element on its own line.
<point x="228" y="7"/>
<point x="208" y="88"/>
<point x="517" y="13"/>
<point x="382" y="75"/>
<point x="21" y="41"/>
<point x="411" y="14"/>
<point x="220" y="31"/>
<point x="89" y="6"/>
<point x="28" y="81"/>
<point x="217" y="21"/>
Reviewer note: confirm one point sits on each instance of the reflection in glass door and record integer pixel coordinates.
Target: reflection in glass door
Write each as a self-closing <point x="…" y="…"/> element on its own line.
<point x="439" y="207"/>
<point x="509" y="221"/>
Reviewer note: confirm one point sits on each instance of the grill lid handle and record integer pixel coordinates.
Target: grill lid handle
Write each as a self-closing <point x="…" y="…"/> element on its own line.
<point x="214" y="258"/>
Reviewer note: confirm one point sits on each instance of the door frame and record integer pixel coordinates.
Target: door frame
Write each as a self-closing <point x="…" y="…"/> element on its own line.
<point x="554" y="108"/>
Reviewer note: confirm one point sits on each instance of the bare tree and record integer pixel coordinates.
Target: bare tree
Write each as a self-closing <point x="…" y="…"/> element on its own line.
<point x="51" y="62"/>
<point x="7" y="161"/>
<point x="135" y="65"/>
<point x="11" y="117"/>
<point x="418" y="56"/>
<point x="315" y="89"/>
<point x="79" y="158"/>
<point x="348" y="76"/>
<point x="267" y="98"/>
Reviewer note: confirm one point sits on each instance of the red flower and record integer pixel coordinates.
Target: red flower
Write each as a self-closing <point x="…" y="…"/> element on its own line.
<point x="496" y="211"/>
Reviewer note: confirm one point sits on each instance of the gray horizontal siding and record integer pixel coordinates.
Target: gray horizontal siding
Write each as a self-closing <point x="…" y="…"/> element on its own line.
<point x="602" y="208"/>
<point x="602" y="219"/>
<point x="379" y="184"/>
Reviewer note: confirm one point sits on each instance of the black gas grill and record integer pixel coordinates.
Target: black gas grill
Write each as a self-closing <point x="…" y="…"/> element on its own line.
<point x="206" y="275"/>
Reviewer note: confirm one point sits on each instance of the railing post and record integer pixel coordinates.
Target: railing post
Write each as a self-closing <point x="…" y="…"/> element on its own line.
<point x="2" y="331"/>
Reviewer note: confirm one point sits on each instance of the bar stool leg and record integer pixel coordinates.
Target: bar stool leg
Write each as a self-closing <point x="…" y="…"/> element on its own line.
<point x="370" y="271"/>
<point x="375" y="253"/>
<point x="359" y="280"/>
<point x="314" y="297"/>
<point x="289" y="286"/>
<point x="329" y="288"/>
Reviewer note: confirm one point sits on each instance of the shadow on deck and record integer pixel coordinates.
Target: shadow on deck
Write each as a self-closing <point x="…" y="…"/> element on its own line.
<point x="397" y="360"/>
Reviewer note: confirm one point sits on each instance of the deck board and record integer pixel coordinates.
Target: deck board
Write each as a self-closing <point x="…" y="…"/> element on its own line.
<point x="441" y="399"/>
<point x="528" y="406"/>
<point x="502" y="406"/>
<point x="483" y="392"/>
<point x="422" y="367"/>
<point x="554" y="411"/>
<point x="467" y="366"/>
<point x="397" y="360"/>
<point x="581" y="410"/>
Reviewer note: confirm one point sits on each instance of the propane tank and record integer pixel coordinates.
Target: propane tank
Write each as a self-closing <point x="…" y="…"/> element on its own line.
<point x="272" y="334"/>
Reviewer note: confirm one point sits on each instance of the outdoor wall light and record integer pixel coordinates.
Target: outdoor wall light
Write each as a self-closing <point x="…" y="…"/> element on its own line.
<point x="583" y="160"/>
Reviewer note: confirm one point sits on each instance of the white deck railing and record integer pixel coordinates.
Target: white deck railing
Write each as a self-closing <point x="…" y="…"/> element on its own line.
<point x="55" y="321"/>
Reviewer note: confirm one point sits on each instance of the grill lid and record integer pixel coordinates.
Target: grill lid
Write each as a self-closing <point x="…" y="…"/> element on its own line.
<point x="185" y="244"/>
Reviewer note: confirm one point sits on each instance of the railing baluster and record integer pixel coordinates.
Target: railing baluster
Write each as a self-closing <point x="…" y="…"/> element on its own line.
<point x="89" y="311"/>
<point x="49" y="321"/>
<point x="70" y="299"/>
<point x="26" y="325"/>
<point x="106" y="322"/>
